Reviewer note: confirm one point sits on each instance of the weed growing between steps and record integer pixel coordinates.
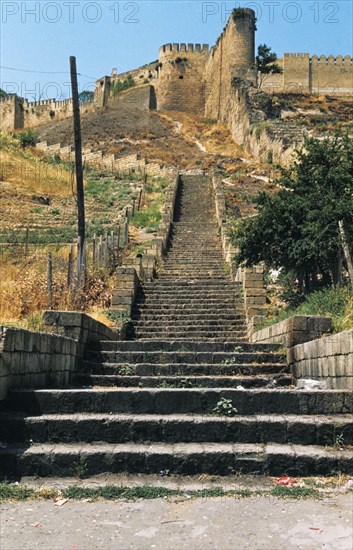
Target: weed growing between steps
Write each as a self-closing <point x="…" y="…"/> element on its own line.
<point x="9" y="492"/>
<point x="224" y="407"/>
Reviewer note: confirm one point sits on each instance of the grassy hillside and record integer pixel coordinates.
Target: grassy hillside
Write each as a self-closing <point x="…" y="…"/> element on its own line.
<point x="38" y="216"/>
<point x="38" y="207"/>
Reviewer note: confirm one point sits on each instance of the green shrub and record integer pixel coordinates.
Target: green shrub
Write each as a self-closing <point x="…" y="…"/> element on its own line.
<point x="27" y="138"/>
<point x="148" y="218"/>
<point x="334" y="302"/>
<point x="121" y="85"/>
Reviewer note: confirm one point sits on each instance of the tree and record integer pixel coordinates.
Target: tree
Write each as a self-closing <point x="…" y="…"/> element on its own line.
<point x="266" y="63"/>
<point x="85" y="95"/>
<point x="298" y="228"/>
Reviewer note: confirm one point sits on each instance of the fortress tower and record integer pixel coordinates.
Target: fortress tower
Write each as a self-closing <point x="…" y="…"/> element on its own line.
<point x="232" y="56"/>
<point x="181" y="82"/>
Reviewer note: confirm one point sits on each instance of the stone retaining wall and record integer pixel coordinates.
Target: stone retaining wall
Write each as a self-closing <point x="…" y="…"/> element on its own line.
<point x="295" y="330"/>
<point x="35" y="359"/>
<point x="128" y="163"/>
<point x="252" y="279"/>
<point x="310" y="355"/>
<point x="329" y="359"/>
<point x="79" y="327"/>
<point x="40" y="359"/>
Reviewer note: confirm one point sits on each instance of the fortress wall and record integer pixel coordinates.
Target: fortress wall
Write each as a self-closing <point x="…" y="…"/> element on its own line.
<point x="233" y="56"/>
<point x="10" y="114"/>
<point x="137" y="97"/>
<point x="322" y="75"/>
<point x="331" y="75"/>
<point x="181" y="85"/>
<point x="17" y="113"/>
<point x="42" y="112"/>
<point x="146" y="72"/>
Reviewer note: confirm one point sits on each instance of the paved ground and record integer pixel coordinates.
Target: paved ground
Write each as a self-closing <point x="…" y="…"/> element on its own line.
<point x="215" y="523"/>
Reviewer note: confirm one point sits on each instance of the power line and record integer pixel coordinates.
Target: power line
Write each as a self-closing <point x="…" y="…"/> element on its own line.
<point x="44" y="72"/>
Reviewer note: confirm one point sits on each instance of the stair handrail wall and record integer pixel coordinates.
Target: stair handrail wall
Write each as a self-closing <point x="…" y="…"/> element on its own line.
<point x="252" y="279"/>
<point x="30" y="359"/>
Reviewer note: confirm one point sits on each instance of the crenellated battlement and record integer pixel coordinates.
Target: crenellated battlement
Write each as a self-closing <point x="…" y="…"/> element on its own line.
<point x="10" y="99"/>
<point x="319" y="60"/>
<point x="184" y="48"/>
<point x="345" y="61"/>
<point x="17" y="112"/>
<point x="298" y="56"/>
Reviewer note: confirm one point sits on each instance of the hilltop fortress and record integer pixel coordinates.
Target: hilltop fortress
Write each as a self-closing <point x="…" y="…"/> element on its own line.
<point x="196" y="78"/>
<point x="201" y="80"/>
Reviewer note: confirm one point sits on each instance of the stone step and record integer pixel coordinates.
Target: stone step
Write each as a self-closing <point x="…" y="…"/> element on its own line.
<point x="66" y="460"/>
<point x="182" y="401"/>
<point x="160" y="299"/>
<point x="212" y="302"/>
<point x="189" y="330"/>
<point x="158" y="310"/>
<point x="216" y="358"/>
<point x="177" y="428"/>
<point x="166" y="317"/>
<point x="181" y="369"/>
<point x="217" y="336"/>
<point x="189" y="323"/>
<point x="182" y="345"/>
<point x="226" y="284"/>
<point x="176" y="381"/>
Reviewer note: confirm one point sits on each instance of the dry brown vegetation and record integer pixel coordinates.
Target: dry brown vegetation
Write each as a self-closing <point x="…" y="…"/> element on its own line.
<point x="320" y="115"/>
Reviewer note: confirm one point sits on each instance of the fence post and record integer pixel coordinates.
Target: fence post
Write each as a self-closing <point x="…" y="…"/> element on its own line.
<point x="100" y="250"/>
<point x="127" y="228"/>
<point x="139" y="200"/>
<point x="133" y="208"/>
<point x="118" y="240"/>
<point x="69" y="267"/>
<point x="94" y="250"/>
<point x="105" y="249"/>
<point x="26" y="241"/>
<point x="50" y="281"/>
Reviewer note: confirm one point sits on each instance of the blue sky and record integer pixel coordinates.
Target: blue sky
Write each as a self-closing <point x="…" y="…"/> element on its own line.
<point x="41" y="35"/>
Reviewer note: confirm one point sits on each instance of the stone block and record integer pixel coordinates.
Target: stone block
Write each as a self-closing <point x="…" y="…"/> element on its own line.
<point x="253" y="284"/>
<point x="63" y="318"/>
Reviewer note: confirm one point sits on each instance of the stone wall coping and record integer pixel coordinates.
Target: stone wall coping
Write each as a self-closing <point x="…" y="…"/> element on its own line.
<point x="74" y="319"/>
<point x="313" y="325"/>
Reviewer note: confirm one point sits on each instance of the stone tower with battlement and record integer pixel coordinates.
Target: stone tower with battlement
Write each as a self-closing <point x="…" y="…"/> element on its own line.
<point x="181" y="77"/>
<point x="232" y="57"/>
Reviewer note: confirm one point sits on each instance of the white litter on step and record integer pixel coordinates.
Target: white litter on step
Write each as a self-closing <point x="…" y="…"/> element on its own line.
<point x="305" y="384"/>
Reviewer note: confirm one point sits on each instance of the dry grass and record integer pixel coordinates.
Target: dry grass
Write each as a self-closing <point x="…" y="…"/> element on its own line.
<point x="31" y="173"/>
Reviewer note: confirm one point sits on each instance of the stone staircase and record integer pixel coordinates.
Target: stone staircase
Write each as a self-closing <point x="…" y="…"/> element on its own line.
<point x="146" y="405"/>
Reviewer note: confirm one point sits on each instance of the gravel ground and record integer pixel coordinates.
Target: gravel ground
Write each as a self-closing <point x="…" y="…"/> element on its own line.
<point x="178" y="523"/>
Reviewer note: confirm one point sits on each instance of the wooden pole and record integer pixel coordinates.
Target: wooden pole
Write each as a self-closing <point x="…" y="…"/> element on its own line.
<point x="139" y="200"/>
<point x="27" y="241"/>
<point x="81" y="263"/>
<point x="127" y="228"/>
<point x="69" y="267"/>
<point x="118" y="239"/>
<point x="50" y="281"/>
<point x="100" y="249"/>
<point x="94" y="250"/>
<point x="133" y="207"/>
<point x="106" y="243"/>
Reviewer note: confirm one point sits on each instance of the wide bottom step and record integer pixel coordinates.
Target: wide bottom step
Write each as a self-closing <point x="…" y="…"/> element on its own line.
<point x="181" y="458"/>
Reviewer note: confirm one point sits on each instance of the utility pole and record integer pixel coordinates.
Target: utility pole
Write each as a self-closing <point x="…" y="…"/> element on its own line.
<point x="81" y="257"/>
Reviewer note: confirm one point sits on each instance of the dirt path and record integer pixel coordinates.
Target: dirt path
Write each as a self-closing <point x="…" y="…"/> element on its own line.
<point x="214" y="523"/>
